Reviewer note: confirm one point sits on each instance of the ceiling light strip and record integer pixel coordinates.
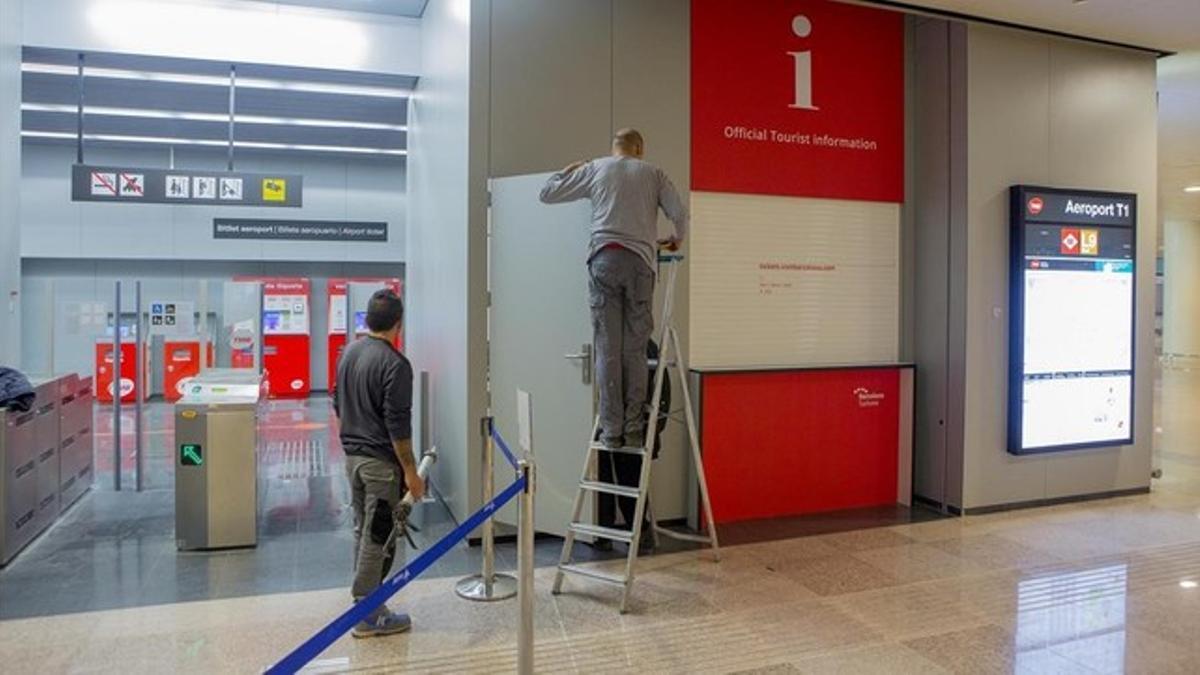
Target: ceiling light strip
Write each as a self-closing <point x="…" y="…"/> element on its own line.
<point x="257" y="145"/>
<point x="149" y="113"/>
<point x="219" y="81"/>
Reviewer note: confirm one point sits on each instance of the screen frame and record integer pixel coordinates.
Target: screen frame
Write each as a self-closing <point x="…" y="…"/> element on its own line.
<point x="1016" y="338"/>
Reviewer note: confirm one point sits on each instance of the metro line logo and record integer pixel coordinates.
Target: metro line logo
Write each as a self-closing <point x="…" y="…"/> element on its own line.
<point x="1035" y="205"/>
<point x="1070" y="241"/>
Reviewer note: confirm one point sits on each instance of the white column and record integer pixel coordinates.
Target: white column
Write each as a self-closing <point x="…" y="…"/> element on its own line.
<point x="1181" y="302"/>
<point x="10" y="182"/>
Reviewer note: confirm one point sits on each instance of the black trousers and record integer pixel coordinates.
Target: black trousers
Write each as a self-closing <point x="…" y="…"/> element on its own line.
<point x="628" y="467"/>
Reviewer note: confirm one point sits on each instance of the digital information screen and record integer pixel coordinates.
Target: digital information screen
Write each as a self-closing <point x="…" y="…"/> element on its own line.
<point x="1071" y="319"/>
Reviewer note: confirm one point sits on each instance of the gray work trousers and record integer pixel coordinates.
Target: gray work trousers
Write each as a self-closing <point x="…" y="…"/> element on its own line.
<point x="620" y="293"/>
<point x="376" y="486"/>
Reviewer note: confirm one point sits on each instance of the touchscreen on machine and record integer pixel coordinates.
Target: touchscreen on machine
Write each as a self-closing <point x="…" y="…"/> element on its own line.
<point x="1071" y="384"/>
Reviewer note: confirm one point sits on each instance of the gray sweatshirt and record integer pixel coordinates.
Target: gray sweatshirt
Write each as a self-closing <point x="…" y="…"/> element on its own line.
<point x="626" y="194"/>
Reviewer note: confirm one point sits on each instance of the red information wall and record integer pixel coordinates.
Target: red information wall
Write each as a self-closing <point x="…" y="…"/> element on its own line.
<point x="798" y="97"/>
<point x="795" y="442"/>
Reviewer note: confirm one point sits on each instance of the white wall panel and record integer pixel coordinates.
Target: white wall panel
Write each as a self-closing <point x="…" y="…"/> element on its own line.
<point x="779" y="281"/>
<point x="10" y="181"/>
<point x="440" y="296"/>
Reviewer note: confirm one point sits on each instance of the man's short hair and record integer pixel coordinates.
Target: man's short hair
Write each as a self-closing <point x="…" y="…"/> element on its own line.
<point x="385" y="310"/>
<point x="629" y="139"/>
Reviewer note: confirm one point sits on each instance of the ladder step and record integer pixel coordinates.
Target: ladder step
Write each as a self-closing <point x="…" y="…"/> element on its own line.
<point x="615" y="579"/>
<point x="683" y="536"/>
<point x="623" y="451"/>
<point x="602" y="532"/>
<point x="609" y="488"/>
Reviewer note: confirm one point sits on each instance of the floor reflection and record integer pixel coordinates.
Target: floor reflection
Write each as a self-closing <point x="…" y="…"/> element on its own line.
<point x="1072" y="612"/>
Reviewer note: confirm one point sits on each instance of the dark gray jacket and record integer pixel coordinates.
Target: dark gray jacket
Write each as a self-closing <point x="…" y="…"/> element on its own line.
<point x="15" y="391"/>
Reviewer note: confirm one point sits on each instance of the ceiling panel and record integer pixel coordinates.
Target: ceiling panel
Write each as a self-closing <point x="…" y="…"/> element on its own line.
<point x="141" y="96"/>
<point x="1168" y="25"/>
<point x="409" y="8"/>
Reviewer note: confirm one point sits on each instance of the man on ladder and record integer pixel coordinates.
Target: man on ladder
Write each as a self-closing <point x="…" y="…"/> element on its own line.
<point x="626" y="194"/>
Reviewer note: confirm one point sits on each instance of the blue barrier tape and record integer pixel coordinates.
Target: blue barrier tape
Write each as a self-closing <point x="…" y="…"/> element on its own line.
<point x="319" y="642"/>
<point x="504" y="447"/>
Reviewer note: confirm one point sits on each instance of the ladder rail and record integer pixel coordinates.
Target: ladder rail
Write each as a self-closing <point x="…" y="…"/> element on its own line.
<point x="697" y="459"/>
<point x="643" y="508"/>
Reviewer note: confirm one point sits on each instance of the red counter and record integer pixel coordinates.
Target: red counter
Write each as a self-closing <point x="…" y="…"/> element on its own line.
<point x="799" y="441"/>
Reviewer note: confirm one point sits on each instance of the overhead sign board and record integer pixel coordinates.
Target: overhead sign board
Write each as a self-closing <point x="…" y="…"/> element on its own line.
<point x="298" y="230"/>
<point x="1072" y="320"/>
<point x="176" y="186"/>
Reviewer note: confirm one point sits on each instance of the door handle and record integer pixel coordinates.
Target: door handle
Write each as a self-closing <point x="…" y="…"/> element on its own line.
<point x="585" y="361"/>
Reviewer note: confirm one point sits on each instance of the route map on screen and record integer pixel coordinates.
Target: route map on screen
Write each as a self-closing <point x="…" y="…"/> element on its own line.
<point x="1073" y="298"/>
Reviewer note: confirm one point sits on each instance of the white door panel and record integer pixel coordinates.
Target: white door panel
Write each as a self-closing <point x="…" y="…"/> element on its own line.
<point x="539" y="315"/>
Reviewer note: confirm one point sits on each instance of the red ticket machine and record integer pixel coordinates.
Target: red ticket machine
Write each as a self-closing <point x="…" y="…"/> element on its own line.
<point x="104" y="367"/>
<point x="286" y="331"/>
<point x="181" y="362"/>
<point x="337" y="318"/>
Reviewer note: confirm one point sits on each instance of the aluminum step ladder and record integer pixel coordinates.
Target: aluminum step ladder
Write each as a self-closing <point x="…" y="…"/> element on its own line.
<point x="670" y="356"/>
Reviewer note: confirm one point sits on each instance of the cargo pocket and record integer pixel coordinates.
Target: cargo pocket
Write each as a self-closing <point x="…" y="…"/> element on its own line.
<point x="639" y="320"/>
<point x="381" y="522"/>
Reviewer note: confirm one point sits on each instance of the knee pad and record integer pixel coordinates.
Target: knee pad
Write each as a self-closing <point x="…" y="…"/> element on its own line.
<point x="381" y="522"/>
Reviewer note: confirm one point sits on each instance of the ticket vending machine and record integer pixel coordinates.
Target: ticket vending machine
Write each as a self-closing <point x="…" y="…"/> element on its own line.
<point x="338" y="320"/>
<point x="286" y="328"/>
<point x="181" y="363"/>
<point x="104" y="367"/>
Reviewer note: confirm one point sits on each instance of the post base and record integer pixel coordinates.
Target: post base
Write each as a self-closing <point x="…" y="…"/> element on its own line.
<point x="474" y="588"/>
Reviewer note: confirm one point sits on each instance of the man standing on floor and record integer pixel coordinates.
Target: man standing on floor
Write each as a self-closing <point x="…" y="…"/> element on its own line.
<point x="626" y="194"/>
<point x="373" y="401"/>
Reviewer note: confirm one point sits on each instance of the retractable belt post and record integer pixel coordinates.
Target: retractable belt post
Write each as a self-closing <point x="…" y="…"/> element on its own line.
<point x="525" y="536"/>
<point x="487" y="586"/>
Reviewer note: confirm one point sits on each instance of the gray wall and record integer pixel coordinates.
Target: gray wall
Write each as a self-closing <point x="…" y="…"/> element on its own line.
<point x="335" y="188"/>
<point x="10" y="181"/>
<point x="49" y="285"/>
<point x="447" y="193"/>
<point x="564" y="75"/>
<point x="939" y="90"/>
<point x="1038" y="110"/>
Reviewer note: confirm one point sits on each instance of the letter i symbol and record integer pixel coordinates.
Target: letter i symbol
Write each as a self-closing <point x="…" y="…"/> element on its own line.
<point x="802" y="65"/>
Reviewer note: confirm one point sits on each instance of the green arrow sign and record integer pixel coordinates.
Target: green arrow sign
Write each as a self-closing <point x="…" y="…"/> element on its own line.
<point x="191" y="454"/>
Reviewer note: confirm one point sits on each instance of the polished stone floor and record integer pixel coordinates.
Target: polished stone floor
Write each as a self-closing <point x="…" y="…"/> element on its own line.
<point x="117" y="549"/>
<point x="1106" y="586"/>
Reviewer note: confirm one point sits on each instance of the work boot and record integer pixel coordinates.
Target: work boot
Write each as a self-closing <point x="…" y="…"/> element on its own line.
<point x="636" y="439"/>
<point x="385" y="623"/>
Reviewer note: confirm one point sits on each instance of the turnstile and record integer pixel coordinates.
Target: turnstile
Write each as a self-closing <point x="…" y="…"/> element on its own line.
<point x="45" y="459"/>
<point x="18" y="493"/>
<point x="216" y="477"/>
